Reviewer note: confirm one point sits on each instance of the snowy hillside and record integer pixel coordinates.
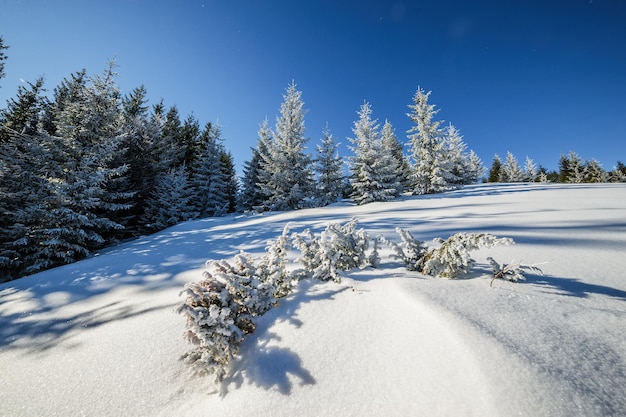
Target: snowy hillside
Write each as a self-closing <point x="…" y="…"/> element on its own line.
<point x="100" y="337"/>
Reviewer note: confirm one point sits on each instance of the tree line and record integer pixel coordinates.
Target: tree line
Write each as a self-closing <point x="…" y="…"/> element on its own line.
<point x="572" y="169"/>
<point x="88" y="166"/>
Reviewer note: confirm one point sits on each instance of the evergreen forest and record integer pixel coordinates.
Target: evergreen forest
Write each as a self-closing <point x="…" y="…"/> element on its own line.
<point x="88" y="166"/>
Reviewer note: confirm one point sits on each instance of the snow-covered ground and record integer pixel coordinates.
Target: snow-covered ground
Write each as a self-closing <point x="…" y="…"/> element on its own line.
<point x="101" y="338"/>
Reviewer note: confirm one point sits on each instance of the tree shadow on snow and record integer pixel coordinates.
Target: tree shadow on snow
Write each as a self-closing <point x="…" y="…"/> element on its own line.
<point x="574" y="287"/>
<point x="570" y="287"/>
<point x="263" y="361"/>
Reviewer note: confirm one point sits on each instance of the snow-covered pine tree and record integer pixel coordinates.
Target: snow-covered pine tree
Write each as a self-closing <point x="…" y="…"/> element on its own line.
<point x="291" y="183"/>
<point x="452" y="258"/>
<point x="432" y="169"/>
<point x="572" y="168"/>
<point x="392" y="145"/>
<point x="170" y="152"/>
<point x="329" y="169"/>
<point x="594" y="173"/>
<point x="190" y="142"/>
<point x="141" y="136"/>
<point x="495" y="171"/>
<point x="232" y="182"/>
<point x="530" y="170"/>
<point x="3" y="56"/>
<point x="208" y="180"/>
<point x="511" y="171"/>
<point x="170" y="201"/>
<point x="618" y="173"/>
<point x="338" y="248"/>
<point x="24" y="113"/>
<point x="373" y="169"/>
<point x="476" y="169"/>
<point x="87" y="146"/>
<point x="255" y="191"/>
<point x="25" y="164"/>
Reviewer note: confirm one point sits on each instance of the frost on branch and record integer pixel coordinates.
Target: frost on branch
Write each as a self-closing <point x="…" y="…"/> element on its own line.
<point x="512" y="272"/>
<point x="220" y="312"/>
<point x="449" y="260"/>
<point x="338" y="248"/>
<point x="452" y="258"/>
<point x="410" y="251"/>
<point x="272" y="267"/>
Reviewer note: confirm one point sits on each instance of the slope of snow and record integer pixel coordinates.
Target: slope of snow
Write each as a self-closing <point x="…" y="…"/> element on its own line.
<point x="100" y="337"/>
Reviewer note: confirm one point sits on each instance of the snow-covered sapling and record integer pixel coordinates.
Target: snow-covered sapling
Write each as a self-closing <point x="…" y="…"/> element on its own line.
<point x="272" y="266"/>
<point x="511" y="272"/>
<point x="220" y="312"/>
<point x="452" y="258"/>
<point x="338" y="248"/>
<point x="411" y="251"/>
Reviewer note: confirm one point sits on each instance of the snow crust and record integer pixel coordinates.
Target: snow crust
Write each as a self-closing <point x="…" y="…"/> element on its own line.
<point x="100" y="337"/>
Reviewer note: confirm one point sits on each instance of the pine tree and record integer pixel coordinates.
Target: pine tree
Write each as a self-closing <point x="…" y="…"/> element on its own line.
<point x="432" y="169"/>
<point x="530" y="170"/>
<point x="169" y="203"/>
<point x="571" y="168"/>
<point x="329" y="168"/>
<point x="511" y="171"/>
<point x="232" y="182"/>
<point x="171" y="153"/>
<point x="3" y="56"/>
<point x="476" y="169"/>
<point x="24" y="113"/>
<point x="392" y="145"/>
<point x="495" y="172"/>
<point x="79" y="212"/>
<point x="25" y="164"/>
<point x="618" y="174"/>
<point x="69" y="91"/>
<point x="191" y="145"/>
<point x="208" y="181"/>
<point x="594" y="173"/>
<point x="254" y="188"/>
<point x="290" y="182"/>
<point x="374" y="172"/>
<point x="142" y="133"/>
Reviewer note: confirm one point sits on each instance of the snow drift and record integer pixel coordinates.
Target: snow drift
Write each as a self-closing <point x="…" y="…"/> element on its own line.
<point x="100" y="337"/>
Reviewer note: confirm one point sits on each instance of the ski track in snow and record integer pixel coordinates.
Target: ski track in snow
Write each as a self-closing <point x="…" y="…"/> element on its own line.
<point x="100" y="337"/>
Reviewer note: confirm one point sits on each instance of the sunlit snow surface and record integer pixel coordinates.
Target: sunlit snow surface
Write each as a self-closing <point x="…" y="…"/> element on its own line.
<point x="101" y="338"/>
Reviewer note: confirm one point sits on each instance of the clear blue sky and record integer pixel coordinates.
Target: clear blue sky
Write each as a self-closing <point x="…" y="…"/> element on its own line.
<point x="538" y="77"/>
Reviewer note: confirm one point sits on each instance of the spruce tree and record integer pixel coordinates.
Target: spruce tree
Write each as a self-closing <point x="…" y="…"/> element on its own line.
<point x="290" y="183"/>
<point x="374" y="172"/>
<point x="476" y="169"/>
<point x="329" y="169"/>
<point x="79" y="214"/>
<point x="232" y="182"/>
<point x="24" y="113"/>
<point x="3" y="56"/>
<point x="511" y="171"/>
<point x="530" y="170"/>
<point x="594" y="173"/>
<point x="618" y="173"/>
<point x="171" y="153"/>
<point x="170" y="201"/>
<point x="572" y="168"/>
<point x="392" y="145"/>
<point x="432" y="170"/>
<point x="141" y="132"/>
<point x="255" y="188"/>
<point x="208" y="180"/>
<point x="495" y="171"/>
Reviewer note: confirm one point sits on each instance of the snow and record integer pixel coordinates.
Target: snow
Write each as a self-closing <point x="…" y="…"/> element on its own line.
<point x="100" y="337"/>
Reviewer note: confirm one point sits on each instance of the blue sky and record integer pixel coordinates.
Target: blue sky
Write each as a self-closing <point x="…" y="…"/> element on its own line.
<point x="538" y="78"/>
